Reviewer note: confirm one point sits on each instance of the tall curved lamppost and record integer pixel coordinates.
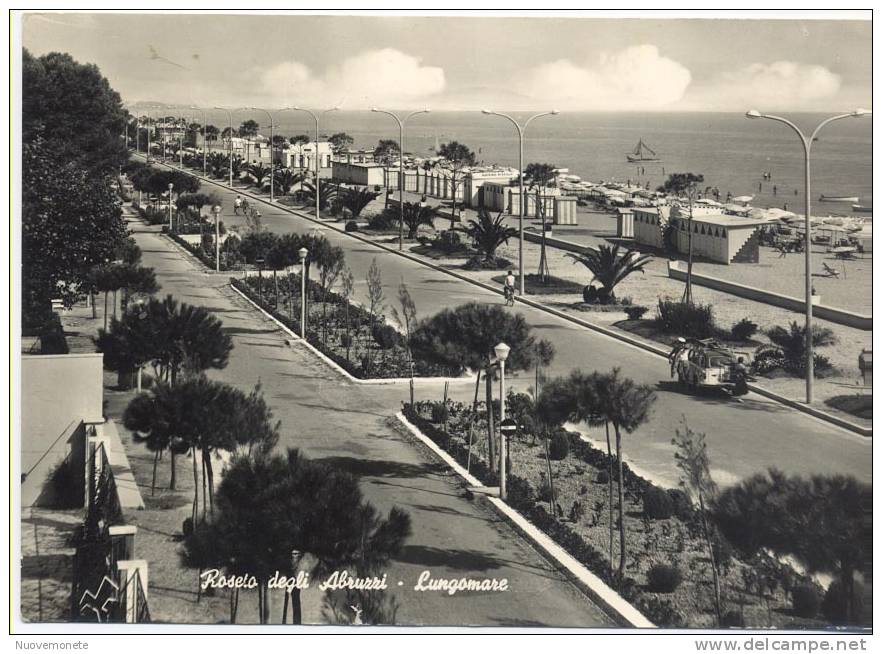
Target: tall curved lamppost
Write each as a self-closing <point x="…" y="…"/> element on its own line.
<point x="807" y="151"/>
<point x="521" y="200"/>
<point x="401" y="124"/>
<point x="315" y="117"/>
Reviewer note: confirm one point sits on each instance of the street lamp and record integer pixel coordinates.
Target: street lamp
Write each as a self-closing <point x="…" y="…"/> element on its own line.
<point x="807" y="149"/>
<point x="521" y="201"/>
<point x="303" y="253"/>
<point x="501" y="352"/>
<point x="317" y="185"/>
<point x="170" y="188"/>
<point x="401" y="124"/>
<point x="272" y="162"/>
<point x="230" y="114"/>
<point x="216" y="209"/>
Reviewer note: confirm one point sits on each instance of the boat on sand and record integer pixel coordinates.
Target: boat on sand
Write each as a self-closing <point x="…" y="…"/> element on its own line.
<point x="838" y="198"/>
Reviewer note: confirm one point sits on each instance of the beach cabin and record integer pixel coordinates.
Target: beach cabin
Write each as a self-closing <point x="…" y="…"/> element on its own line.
<point x="716" y="236"/>
<point x="362" y="174"/>
<point x="303" y="156"/>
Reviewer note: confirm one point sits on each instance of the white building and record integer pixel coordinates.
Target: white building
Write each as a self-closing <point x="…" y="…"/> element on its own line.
<point x="716" y="236"/>
<point x="303" y="155"/>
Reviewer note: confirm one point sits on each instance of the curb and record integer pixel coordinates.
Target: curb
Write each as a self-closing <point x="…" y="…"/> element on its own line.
<point x="816" y="413"/>
<point x="601" y="594"/>
<point x="333" y="364"/>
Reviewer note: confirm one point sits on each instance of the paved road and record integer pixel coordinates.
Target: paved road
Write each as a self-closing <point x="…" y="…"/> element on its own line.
<point x="348" y="425"/>
<point x="743" y="438"/>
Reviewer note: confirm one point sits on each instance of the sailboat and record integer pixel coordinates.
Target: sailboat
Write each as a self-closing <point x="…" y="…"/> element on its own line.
<point x="642" y="152"/>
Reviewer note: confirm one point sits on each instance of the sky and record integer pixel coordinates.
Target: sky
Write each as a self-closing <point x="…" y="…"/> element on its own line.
<point x="504" y="62"/>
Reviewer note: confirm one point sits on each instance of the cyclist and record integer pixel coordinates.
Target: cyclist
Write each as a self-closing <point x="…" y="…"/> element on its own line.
<point x="237" y="204"/>
<point x="508" y="289"/>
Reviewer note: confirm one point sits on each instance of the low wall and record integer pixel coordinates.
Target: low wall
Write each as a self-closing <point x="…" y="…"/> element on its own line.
<point x="559" y="243"/>
<point x="839" y="316"/>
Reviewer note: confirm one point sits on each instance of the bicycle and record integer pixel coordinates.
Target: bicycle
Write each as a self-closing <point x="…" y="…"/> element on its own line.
<point x="508" y="293"/>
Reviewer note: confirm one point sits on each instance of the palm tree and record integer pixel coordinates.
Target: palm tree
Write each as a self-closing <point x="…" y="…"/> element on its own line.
<point x="355" y="200"/>
<point x="609" y="268"/>
<point x="489" y="233"/>
<point x="327" y="189"/>
<point x="625" y="405"/>
<point x="258" y="172"/>
<point x="285" y="179"/>
<point x="790" y="343"/>
<point x="416" y="215"/>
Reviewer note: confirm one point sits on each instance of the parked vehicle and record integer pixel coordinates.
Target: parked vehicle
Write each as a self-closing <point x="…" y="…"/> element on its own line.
<point x="709" y="364"/>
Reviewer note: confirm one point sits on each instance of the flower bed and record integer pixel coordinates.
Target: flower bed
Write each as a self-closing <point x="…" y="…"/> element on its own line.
<point x="197" y="251"/>
<point x="754" y="591"/>
<point x="377" y="352"/>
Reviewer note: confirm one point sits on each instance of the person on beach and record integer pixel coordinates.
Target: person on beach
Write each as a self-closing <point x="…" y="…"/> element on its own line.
<point x="508" y="288"/>
<point x="237" y="204"/>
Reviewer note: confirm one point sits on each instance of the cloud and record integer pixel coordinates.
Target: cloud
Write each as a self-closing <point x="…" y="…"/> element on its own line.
<point x="636" y="78"/>
<point x="386" y="77"/>
<point x="777" y="85"/>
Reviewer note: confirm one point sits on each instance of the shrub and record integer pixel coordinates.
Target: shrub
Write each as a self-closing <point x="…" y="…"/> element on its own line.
<point x="351" y="226"/>
<point x="744" y="329"/>
<point x="520" y="493"/>
<point x="346" y="340"/>
<point x="440" y="412"/>
<point x="806" y="601"/>
<point x="577" y="511"/>
<point x="602" y="477"/>
<point x="559" y="446"/>
<point x="657" y="504"/>
<point x="732" y="619"/>
<point x="683" y="508"/>
<point x="635" y="312"/>
<point x="52" y="339"/>
<point x="696" y="320"/>
<point x="449" y="242"/>
<point x="479" y="262"/>
<point x="384" y="220"/>
<point x="663" y="578"/>
<point x="386" y="336"/>
<point x="834" y="607"/>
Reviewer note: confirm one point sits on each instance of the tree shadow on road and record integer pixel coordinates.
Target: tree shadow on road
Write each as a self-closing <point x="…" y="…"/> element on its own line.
<point x="380" y="468"/>
<point x="433" y="557"/>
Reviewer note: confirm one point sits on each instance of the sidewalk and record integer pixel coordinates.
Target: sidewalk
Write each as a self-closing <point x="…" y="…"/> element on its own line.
<point x="348" y="426"/>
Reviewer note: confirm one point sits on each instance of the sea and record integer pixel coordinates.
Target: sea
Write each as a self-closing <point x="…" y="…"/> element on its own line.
<point x="731" y="151"/>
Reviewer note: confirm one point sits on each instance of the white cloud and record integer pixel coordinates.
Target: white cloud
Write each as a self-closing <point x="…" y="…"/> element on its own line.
<point x="777" y="85"/>
<point x="386" y="77"/>
<point x="635" y="78"/>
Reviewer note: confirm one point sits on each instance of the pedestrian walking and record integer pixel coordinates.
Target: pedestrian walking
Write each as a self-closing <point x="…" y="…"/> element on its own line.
<point x="237" y="204"/>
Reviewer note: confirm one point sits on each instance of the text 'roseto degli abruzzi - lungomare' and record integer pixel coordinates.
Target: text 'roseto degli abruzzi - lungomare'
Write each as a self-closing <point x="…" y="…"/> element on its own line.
<point x="342" y="580"/>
